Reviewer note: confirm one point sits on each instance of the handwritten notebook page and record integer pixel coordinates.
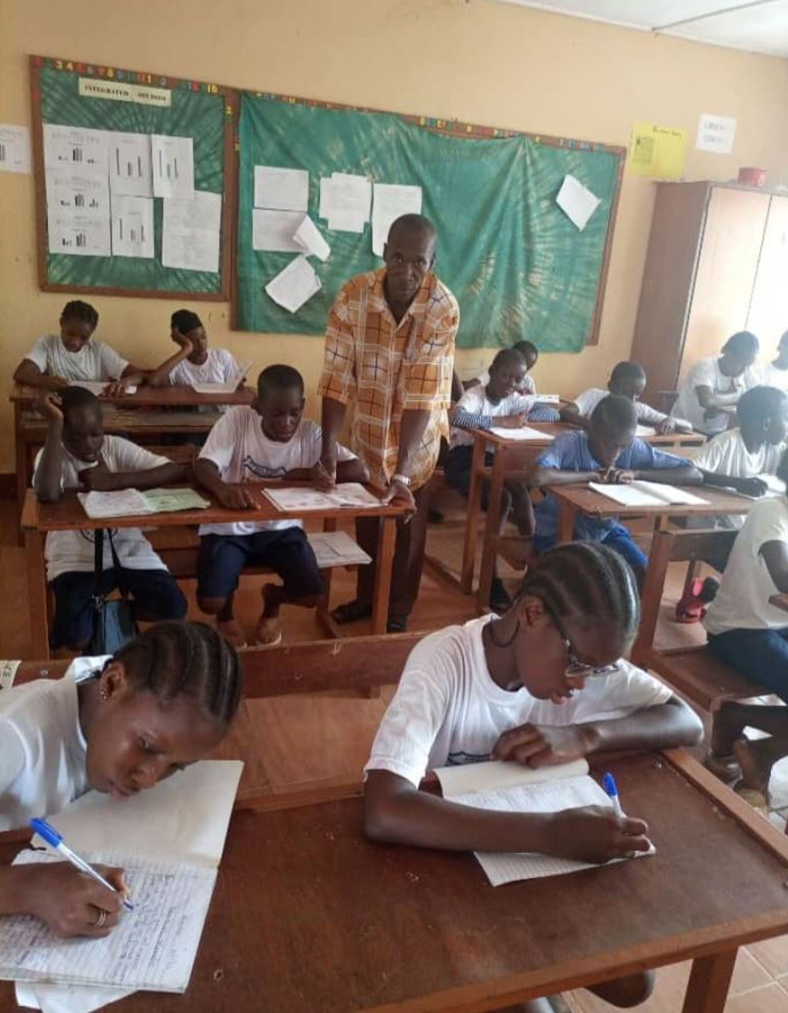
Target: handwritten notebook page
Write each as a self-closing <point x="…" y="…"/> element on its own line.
<point x="523" y="433"/>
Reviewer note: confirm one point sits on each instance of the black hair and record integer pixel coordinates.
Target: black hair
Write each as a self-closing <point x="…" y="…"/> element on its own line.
<point x="279" y="377"/>
<point x="615" y="412"/>
<point x="507" y="357"/>
<point x="627" y="371"/>
<point x="82" y="311"/>
<point x="759" y="403"/>
<point x="528" y="349"/>
<point x="75" y="397"/>
<point x="185" y="321"/>
<point x="413" y="223"/>
<point x="742" y="342"/>
<point x="182" y="658"/>
<point x="586" y="583"/>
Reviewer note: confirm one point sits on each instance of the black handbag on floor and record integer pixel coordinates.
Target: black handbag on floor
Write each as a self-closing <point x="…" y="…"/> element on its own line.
<point x="113" y="621"/>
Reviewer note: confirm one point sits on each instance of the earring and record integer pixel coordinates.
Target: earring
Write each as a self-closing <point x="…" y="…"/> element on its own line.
<point x="104" y="694"/>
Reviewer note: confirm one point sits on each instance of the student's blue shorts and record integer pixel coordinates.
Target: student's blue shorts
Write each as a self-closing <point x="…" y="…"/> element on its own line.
<point x="155" y="593"/>
<point x="616" y="537"/>
<point x="285" y="551"/>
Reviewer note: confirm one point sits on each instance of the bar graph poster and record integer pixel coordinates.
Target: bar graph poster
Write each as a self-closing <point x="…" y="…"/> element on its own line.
<point x="129" y="165"/>
<point x="173" y="166"/>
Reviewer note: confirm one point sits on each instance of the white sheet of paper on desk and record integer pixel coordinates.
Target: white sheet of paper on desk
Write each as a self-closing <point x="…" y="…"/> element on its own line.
<point x="345" y="198"/>
<point x="636" y="494"/>
<point x="273" y="231"/>
<point x="76" y="149"/>
<point x="295" y="285"/>
<point x="130" y="168"/>
<point x="281" y="189"/>
<point x="79" y="234"/>
<point x="465" y="778"/>
<point x="132" y="226"/>
<point x="98" y="387"/>
<point x="309" y="240"/>
<point x="71" y="190"/>
<point x="172" y="159"/>
<point x="117" y="503"/>
<point x="644" y="431"/>
<point x="191" y="232"/>
<point x="336" y="548"/>
<point x="345" y="494"/>
<point x="547" y="399"/>
<point x="389" y="201"/>
<point x="14" y="148"/>
<point x="523" y="433"/>
<point x="576" y="201"/>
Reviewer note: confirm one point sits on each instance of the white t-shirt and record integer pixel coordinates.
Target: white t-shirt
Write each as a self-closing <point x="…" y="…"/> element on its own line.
<point x="771" y="376"/>
<point x="94" y="361"/>
<point x="219" y="367"/>
<point x="69" y="551"/>
<point x="242" y="452"/>
<point x="475" y="400"/>
<point x="742" y="602"/>
<point x="448" y="710"/>
<point x="529" y="384"/>
<point x="42" y="760"/>
<point x="707" y="373"/>
<point x="646" y="415"/>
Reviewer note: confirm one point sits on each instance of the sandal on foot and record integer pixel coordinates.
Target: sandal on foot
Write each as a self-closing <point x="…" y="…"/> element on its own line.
<point x="268" y="632"/>
<point x="351" y="612"/>
<point x="233" y="633"/>
<point x="690" y="607"/>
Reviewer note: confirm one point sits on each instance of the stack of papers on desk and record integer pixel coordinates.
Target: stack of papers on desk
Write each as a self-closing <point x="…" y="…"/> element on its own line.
<point x="638" y="494"/>
<point x="172" y="838"/>
<point x="133" y="503"/>
<point x="523" y="433"/>
<point x="302" y="498"/>
<point x="224" y="388"/>
<point x="98" y="387"/>
<point x="336" y="548"/>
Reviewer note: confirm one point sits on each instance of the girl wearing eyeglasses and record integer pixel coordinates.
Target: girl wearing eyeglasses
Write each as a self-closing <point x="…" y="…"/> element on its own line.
<point x="543" y="684"/>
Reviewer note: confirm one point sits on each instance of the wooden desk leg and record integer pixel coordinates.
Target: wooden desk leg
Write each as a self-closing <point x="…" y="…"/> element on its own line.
<point x="383" y="567"/>
<point x="566" y="523"/>
<point x="472" y="517"/>
<point x="324" y="605"/>
<point x="37" y="594"/>
<point x="710" y="978"/>
<point x="490" y="545"/>
<point x="20" y="463"/>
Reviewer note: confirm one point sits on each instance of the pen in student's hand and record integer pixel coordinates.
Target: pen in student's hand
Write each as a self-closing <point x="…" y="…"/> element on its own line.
<point x="54" y="840"/>
<point x="610" y="786"/>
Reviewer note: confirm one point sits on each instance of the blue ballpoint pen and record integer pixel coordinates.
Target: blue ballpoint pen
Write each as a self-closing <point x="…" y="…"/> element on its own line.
<point x="610" y="786"/>
<point x="48" y="833"/>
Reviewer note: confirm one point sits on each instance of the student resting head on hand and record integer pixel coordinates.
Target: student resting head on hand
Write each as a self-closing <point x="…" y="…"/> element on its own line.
<point x="116" y="725"/>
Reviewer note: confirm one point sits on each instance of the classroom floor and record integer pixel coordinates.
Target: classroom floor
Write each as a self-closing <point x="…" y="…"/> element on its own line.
<point x="338" y="728"/>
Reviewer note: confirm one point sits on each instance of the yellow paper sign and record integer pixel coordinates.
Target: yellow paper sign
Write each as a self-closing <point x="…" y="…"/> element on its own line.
<point x="657" y="151"/>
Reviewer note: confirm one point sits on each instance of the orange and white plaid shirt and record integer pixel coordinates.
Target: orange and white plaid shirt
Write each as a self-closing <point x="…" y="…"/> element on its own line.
<point x="387" y="367"/>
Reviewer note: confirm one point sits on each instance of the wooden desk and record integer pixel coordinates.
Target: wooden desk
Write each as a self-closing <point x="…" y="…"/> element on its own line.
<point x="174" y="395"/>
<point x="68" y="515"/>
<point x="310" y="917"/>
<point x="780" y="601"/>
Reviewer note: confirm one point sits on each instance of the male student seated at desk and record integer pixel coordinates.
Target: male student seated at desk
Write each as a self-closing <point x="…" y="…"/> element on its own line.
<point x="57" y="360"/>
<point x="608" y="452"/>
<point x="545" y="683"/>
<point x="776" y="373"/>
<point x="195" y="361"/>
<point x="716" y="384"/>
<point x="76" y="455"/>
<point x="268" y="440"/>
<point x="628" y="379"/>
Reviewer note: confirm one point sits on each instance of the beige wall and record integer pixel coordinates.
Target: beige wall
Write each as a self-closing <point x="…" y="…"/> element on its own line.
<point x="479" y="61"/>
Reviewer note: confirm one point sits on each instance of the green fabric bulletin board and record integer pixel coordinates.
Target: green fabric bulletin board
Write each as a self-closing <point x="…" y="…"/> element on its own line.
<point x="517" y="264"/>
<point x="205" y="112"/>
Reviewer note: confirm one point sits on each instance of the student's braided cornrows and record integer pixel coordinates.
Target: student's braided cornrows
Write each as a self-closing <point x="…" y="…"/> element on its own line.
<point x="586" y="583"/>
<point x="172" y="659"/>
<point x="78" y="310"/>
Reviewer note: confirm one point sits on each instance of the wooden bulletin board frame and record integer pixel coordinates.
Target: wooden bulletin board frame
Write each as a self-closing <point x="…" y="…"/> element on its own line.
<point x="229" y="177"/>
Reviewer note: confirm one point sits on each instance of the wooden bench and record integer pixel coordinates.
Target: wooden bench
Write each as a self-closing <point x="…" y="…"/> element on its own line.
<point x="695" y="671"/>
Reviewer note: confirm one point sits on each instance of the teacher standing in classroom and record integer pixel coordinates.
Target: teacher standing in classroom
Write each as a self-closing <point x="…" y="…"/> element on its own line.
<point x="390" y="349"/>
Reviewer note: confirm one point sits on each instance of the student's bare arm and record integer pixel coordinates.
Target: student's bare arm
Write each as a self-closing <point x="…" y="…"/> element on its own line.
<point x="62" y="897"/>
<point x="688" y="475"/>
<point x="347" y="471"/>
<point x="396" y="812"/>
<point x="662" y="727"/>
<point x="708" y="399"/>
<point x="28" y="373"/>
<point x="570" y="414"/>
<point x="775" y="555"/>
<point x="160" y="377"/>
<point x="540" y="476"/>
<point x="749" y="486"/>
<point x="46" y="481"/>
<point x="102" y="479"/>
<point x="207" y="475"/>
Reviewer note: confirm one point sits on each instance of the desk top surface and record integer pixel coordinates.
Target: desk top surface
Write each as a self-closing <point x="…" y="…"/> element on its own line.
<point x="69" y="515"/>
<point x="550" y="430"/>
<point x="591" y="502"/>
<point x="310" y="917"/>
<point x="178" y="395"/>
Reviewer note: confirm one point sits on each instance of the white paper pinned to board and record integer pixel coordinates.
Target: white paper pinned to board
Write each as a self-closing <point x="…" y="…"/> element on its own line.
<point x="576" y="201"/>
<point x="295" y="285"/>
<point x="279" y="189"/>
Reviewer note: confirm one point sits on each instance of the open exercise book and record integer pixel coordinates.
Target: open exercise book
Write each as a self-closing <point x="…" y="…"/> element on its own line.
<point x="333" y="548"/>
<point x="510" y="787"/>
<point x="346" y="494"/>
<point x="133" y="503"/>
<point x="523" y="433"/>
<point x="169" y="840"/>
<point x="224" y="388"/>
<point x="98" y="387"/>
<point x="637" y="494"/>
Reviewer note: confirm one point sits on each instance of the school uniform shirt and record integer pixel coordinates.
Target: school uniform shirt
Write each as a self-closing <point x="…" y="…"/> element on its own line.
<point x="94" y="361"/>
<point x="73" y="551"/>
<point x="242" y="452"/>
<point x="448" y="710"/>
<point x="476" y="401"/>
<point x="646" y="415"/>
<point x="727" y="454"/>
<point x="771" y="376"/>
<point x="707" y="373"/>
<point x="528" y="386"/>
<point x="42" y="762"/>
<point x="571" y="452"/>
<point x="742" y="602"/>
<point x="387" y="368"/>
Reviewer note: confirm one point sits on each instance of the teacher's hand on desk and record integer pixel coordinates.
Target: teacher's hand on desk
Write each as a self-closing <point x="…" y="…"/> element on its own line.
<point x="402" y="493"/>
